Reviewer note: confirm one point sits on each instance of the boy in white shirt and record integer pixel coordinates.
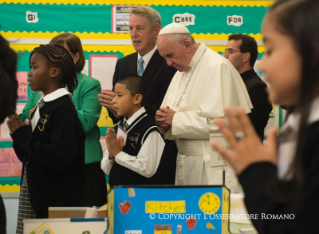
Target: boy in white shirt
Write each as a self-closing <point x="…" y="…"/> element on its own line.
<point x="133" y="154"/>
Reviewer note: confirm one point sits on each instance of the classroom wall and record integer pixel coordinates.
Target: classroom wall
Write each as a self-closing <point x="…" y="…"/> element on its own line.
<point x="102" y="28"/>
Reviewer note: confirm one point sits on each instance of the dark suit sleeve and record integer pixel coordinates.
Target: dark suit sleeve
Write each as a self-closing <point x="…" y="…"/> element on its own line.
<point x="116" y="77"/>
<point x="116" y="74"/>
<point x="260" y="113"/>
<point x="153" y="107"/>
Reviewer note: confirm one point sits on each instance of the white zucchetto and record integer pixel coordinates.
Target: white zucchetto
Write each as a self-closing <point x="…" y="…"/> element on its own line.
<point x="174" y="28"/>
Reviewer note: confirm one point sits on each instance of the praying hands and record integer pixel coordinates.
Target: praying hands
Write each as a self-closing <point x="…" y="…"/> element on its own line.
<point x="113" y="144"/>
<point x="14" y="122"/>
<point x="164" y="117"/>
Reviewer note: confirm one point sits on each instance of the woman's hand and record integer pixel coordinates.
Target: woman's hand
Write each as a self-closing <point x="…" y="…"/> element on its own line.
<point x="245" y="146"/>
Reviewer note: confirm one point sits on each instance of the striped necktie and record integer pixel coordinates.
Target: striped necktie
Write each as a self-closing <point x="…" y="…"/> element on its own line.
<point x="125" y="125"/>
<point x="140" y="66"/>
<point x="36" y="115"/>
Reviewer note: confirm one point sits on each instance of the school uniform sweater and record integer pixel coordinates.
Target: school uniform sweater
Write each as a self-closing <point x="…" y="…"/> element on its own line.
<point x="137" y="133"/>
<point x="54" y="157"/>
<point x="88" y="109"/>
<point x="300" y="215"/>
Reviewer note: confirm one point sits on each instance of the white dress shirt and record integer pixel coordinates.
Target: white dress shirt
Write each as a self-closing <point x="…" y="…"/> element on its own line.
<point x="287" y="149"/>
<point x="148" y="158"/>
<point x="147" y="57"/>
<point x="48" y="98"/>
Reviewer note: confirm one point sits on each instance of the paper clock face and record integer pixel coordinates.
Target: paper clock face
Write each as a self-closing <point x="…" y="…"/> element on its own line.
<point x="209" y="203"/>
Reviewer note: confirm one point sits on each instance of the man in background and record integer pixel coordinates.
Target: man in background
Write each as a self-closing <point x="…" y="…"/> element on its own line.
<point x="242" y="51"/>
<point x="203" y="86"/>
<point x="145" y="24"/>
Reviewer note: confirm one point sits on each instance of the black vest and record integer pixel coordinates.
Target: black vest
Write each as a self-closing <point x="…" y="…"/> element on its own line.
<point x="137" y="133"/>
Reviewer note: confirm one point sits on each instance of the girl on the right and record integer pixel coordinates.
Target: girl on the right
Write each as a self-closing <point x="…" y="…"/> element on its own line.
<point x="281" y="179"/>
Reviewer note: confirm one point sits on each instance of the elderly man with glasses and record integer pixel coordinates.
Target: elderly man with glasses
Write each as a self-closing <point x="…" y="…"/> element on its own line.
<point x="241" y="51"/>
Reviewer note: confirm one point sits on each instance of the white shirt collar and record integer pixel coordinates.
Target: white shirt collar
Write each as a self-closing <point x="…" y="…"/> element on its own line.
<point x="147" y="57"/>
<point x="294" y="118"/>
<point x="56" y="94"/>
<point x="135" y="116"/>
<point x="198" y="55"/>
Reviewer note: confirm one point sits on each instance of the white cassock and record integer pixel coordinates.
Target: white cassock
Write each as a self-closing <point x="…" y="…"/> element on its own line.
<point x="198" y="96"/>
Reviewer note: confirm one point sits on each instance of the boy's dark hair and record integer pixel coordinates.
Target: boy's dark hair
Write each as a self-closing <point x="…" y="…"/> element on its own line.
<point x="248" y="44"/>
<point x="74" y="43"/>
<point x="57" y="55"/>
<point x="136" y="85"/>
<point x="8" y="80"/>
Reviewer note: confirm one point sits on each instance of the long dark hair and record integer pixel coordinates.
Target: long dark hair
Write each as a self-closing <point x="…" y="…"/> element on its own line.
<point x="8" y="80"/>
<point x="58" y="56"/>
<point x="74" y="43"/>
<point x="298" y="19"/>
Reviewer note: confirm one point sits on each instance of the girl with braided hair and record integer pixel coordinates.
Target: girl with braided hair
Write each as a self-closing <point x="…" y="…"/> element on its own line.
<point x="86" y="102"/>
<point x="51" y="148"/>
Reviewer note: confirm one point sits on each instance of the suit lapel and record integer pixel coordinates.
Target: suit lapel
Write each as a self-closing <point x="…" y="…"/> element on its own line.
<point x="132" y="67"/>
<point x="152" y="66"/>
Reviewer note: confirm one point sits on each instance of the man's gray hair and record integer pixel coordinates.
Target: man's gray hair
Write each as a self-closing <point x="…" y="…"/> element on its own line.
<point x="153" y="16"/>
<point x="180" y="37"/>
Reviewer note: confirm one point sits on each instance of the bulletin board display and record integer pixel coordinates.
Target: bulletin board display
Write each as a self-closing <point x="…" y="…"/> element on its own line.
<point x="210" y="20"/>
<point x="103" y="25"/>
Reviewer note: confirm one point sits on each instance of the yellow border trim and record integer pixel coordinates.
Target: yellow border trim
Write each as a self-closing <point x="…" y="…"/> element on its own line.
<point x="144" y="2"/>
<point x="126" y="50"/>
<point x="222" y="36"/>
<point x="84" y="35"/>
<point x="9" y="189"/>
<point x="122" y="36"/>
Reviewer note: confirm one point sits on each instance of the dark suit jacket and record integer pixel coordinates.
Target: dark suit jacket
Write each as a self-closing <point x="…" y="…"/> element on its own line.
<point x="303" y="210"/>
<point x="259" y="98"/>
<point x="158" y="76"/>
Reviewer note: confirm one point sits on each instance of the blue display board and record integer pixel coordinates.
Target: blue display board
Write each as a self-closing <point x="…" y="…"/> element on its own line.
<point x="168" y="210"/>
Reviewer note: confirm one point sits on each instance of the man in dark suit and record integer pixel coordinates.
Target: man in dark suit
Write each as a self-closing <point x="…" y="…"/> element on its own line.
<point x="145" y="24"/>
<point x="241" y="51"/>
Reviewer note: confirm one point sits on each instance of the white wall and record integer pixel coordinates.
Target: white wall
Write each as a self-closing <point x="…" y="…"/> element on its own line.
<point x="11" y="203"/>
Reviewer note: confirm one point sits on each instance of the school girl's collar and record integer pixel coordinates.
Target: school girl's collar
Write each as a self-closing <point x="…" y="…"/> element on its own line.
<point x="57" y="94"/>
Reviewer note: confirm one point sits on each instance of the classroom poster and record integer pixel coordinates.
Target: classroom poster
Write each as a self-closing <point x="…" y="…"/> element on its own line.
<point x="102" y="28"/>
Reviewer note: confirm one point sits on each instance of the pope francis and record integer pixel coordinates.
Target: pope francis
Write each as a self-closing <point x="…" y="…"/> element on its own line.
<point x="203" y="86"/>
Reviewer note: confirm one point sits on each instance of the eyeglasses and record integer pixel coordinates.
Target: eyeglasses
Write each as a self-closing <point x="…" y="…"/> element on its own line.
<point x="231" y="51"/>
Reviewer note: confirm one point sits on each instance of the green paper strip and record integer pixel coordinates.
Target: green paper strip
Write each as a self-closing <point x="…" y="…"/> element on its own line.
<point x="10" y="181"/>
<point x="98" y="18"/>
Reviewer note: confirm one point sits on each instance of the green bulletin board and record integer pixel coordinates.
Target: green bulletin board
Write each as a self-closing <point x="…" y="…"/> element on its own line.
<point x="26" y="24"/>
